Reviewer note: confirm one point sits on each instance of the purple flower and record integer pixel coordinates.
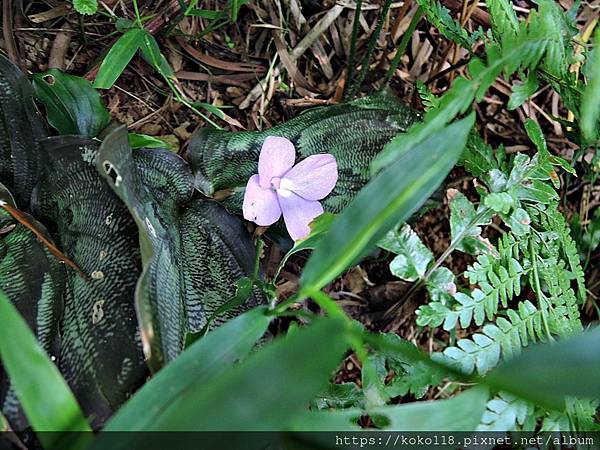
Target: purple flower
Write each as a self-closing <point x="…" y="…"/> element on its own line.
<point x="280" y="187"/>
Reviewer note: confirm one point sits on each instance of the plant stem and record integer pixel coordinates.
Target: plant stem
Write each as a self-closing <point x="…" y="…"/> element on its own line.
<point x="353" y="38"/>
<point x="402" y="47"/>
<point x="138" y="18"/>
<point x="456" y="242"/>
<point x="371" y="46"/>
<point x="259" y="247"/>
<point x="538" y="290"/>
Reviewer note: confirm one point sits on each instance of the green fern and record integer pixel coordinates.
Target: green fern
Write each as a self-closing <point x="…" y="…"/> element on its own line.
<point x="519" y="52"/>
<point x="482" y="351"/>
<point x="579" y="415"/>
<point x="429" y="100"/>
<point x="535" y="253"/>
<point x="480" y="158"/>
<point x="499" y="278"/>
<point x="563" y="310"/>
<point x="502" y="18"/>
<point x="553" y="220"/>
<point x="506" y="412"/>
<point x="440" y="16"/>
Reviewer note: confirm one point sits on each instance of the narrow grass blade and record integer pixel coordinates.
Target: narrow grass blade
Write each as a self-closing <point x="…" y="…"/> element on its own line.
<point x="391" y="197"/>
<point x="44" y="394"/>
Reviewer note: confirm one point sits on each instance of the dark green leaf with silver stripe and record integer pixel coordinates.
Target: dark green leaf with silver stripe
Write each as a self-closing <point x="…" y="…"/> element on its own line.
<point x="32" y="279"/>
<point x="353" y="132"/>
<point x="193" y="250"/>
<point x="20" y="129"/>
<point x="100" y="356"/>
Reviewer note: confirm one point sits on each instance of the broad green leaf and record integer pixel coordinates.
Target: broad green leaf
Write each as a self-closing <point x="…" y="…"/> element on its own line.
<point x="86" y="6"/>
<point x="118" y="57"/>
<point x="353" y="132"/>
<point x="33" y="281"/>
<point x="45" y="397"/>
<point x="460" y="413"/>
<point x="388" y="199"/>
<point x="144" y="141"/>
<point x="101" y="354"/>
<point x="547" y="373"/>
<point x="206" y="360"/>
<point x="193" y="250"/>
<point x="267" y="391"/>
<point x="20" y="129"/>
<point x="590" y="107"/>
<point x="73" y="106"/>
<point x="334" y="420"/>
<point x="413" y="257"/>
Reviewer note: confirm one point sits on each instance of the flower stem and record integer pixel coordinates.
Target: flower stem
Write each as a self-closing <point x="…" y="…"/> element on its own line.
<point x="402" y="47"/>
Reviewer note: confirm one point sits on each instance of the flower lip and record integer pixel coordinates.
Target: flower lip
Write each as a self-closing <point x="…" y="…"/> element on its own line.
<point x="312" y="178"/>
<point x="280" y="187"/>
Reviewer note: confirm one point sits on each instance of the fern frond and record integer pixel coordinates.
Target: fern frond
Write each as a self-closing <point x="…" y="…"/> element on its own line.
<point x="517" y="52"/>
<point x="560" y="52"/>
<point x="499" y="278"/>
<point x="506" y="412"/>
<point x="429" y="100"/>
<point x="502" y="18"/>
<point x="482" y="351"/>
<point x="579" y="416"/>
<point x="440" y="16"/>
<point x="551" y="219"/>
<point x="564" y="310"/>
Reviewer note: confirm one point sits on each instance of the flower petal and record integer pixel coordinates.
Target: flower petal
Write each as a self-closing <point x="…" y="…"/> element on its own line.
<point x="260" y="205"/>
<point x="313" y="178"/>
<point x="277" y="156"/>
<point x="298" y="213"/>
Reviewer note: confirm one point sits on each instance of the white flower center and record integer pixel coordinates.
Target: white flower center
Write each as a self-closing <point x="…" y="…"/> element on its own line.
<point x="285" y="187"/>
